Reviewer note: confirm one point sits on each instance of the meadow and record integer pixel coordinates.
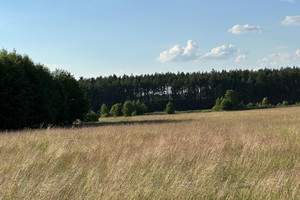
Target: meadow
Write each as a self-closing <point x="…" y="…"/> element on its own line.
<point x="252" y="154"/>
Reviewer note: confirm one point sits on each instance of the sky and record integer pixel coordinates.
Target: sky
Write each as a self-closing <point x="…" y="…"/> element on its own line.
<point x="92" y="38"/>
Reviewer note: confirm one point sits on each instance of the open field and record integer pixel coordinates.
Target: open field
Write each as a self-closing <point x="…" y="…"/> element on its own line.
<point x="218" y="155"/>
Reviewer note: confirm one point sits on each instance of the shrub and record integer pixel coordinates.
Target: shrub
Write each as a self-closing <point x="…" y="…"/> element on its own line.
<point x="116" y="110"/>
<point x="250" y="105"/>
<point x="104" y="111"/>
<point x="218" y="104"/>
<point x="128" y="108"/>
<point x="170" y="108"/>
<point x="297" y="103"/>
<point x="284" y="103"/>
<point x="139" y="108"/>
<point x="228" y="102"/>
<point x="91" y="116"/>
<point x="265" y="102"/>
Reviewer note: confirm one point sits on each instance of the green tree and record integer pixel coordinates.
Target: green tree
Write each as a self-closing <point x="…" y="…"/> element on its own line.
<point x="170" y="108"/>
<point x="228" y="102"/>
<point x="217" y="106"/>
<point x="128" y="108"/>
<point x="104" y="111"/>
<point x="139" y="108"/>
<point x="74" y="100"/>
<point x="116" y="110"/>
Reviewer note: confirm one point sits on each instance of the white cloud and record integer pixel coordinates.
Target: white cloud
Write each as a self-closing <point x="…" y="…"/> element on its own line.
<point x="280" y="58"/>
<point x="240" y="58"/>
<point x="297" y="54"/>
<point x="221" y="52"/>
<point x="291" y="20"/>
<point x="242" y="29"/>
<point x="179" y="53"/>
<point x="191" y="52"/>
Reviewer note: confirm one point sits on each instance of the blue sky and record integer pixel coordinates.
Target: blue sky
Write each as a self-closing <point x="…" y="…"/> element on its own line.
<point x="92" y="38"/>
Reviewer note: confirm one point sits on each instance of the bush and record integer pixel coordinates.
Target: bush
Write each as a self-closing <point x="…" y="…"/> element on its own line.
<point x="284" y="103"/>
<point x="250" y="105"/>
<point x="91" y="116"/>
<point x="116" y="110"/>
<point x="139" y="108"/>
<point x="228" y="102"/>
<point x="128" y="108"/>
<point x="218" y="104"/>
<point x="297" y="103"/>
<point x="265" y="102"/>
<point x="104" y="111"/>
<point x="170" y="108"/>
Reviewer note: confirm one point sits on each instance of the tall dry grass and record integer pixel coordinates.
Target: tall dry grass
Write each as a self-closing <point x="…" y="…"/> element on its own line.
<point x="224" y="155"/>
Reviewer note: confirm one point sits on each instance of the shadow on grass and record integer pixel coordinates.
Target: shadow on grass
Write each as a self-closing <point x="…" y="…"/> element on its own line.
<point x="99" y="124"/>
<point x="125" y="122"/>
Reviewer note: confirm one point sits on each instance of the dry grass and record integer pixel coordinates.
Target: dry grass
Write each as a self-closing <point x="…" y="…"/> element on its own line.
<point x="224" y="155"/>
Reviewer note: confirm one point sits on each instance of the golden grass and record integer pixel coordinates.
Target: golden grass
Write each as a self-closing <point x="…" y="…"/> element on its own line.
<point x="223" y="155"/>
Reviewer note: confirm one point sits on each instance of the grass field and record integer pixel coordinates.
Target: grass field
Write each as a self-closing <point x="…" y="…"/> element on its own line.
<point x="217" y="155"/>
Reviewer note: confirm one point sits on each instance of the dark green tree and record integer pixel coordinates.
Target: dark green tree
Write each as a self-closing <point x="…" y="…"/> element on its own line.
<point x="170" y="108"/>
<point x="75" y="102"/>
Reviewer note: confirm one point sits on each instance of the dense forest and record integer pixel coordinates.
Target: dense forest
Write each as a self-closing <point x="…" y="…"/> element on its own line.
<point x="189" y="91"/>
<point x="32" y="96"/>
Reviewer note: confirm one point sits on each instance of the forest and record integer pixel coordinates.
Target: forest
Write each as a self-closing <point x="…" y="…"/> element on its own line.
<point x="194" y="91"/>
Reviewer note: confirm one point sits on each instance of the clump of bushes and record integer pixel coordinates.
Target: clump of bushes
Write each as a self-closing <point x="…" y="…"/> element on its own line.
<point x="116" y="110"/>
<point x="132" y="108"/>
<point x="284" y="103"/>
<point x="228" y="102"/>
<point x="91" y="116"/>
<point x="265" y="103"/>
<point x="104" y="111"/>
<point x="250" y="105"/>
<point x="170" y="108"/>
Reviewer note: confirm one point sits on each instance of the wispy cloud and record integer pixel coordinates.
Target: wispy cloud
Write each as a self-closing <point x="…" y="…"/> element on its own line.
<point x="278" y="58"/>
<point x="291" y="20"/>
<point x="243" y="29"/>
<point x="289" y="1"/>
<point x="240" y="58"/>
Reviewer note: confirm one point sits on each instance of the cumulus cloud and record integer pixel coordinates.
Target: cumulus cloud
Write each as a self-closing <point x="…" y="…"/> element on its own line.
<point x="280" y="57"/>
<point x="291" y="20"/>
<point x="179" y="53"/>
<point x="191" y="52"/>
<point x="240" y="58"/>
<point x="221" y="52"/>
<point x="243" y="29"/>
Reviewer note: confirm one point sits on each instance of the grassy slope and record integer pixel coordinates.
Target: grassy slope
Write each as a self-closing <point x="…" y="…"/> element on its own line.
<point x="234" y="155"/>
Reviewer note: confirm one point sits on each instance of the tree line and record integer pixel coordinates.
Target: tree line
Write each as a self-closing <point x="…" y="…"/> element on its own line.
<point x="197" y="90"/>
<point x="32" y="96"/>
